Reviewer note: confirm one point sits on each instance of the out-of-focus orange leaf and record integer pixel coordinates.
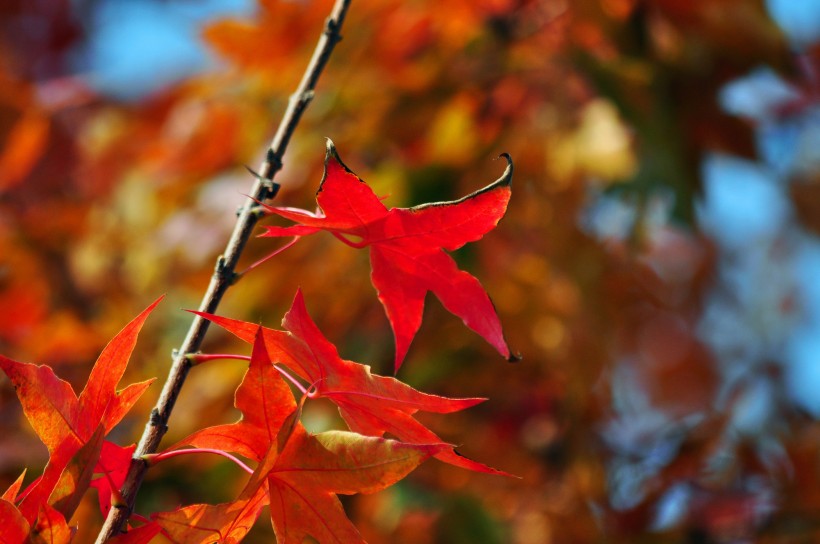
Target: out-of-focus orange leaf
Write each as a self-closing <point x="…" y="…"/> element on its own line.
<point x="23" y="147"/>
<point x="200" y="138"/>
<point x="249" y="45"/>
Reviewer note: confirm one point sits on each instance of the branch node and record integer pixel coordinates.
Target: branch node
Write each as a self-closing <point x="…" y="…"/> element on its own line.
<point x="273" y="160"/>
<point x="155" y="420"/>
<point x="258" y="211"/>
<point x="269" y="189"/>
<point x="190" y="358"/>
<point x="332" y="27"/>
<point x="304" y="98"/>
<point x="272" y="190"/>
<point x="273" y="163"/>
<point x="223" y="272"/>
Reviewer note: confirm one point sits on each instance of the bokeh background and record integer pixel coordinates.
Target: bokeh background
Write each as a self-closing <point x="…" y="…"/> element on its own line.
<point x="658" y="267"/>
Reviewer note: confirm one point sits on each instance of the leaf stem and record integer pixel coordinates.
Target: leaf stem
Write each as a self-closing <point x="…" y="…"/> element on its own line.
<point x="288" y="376"/>
<point x="264" y="188"/>
<point x="116" y="497"/>
<point x="154" y="458"/>
<point x="348" y="241"/>
<point x="271" y="256"/>
<point x="198" y="358"/>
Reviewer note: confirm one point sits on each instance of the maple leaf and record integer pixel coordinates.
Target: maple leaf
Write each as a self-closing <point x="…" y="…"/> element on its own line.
<point x="52" y="407"/>
<point x="138" y="535"/>
<point x="14" y="489"/>
<point x="72" y="427"/>
<point x="112" y="467"/>
<point x="207" y="523"/>
<point x="370" y="404"/>
<point x="15" y="527"/>
<point x="51" y="527"/>
<point x="300" y="483"/>
<point x="265" y="401"/>
<point x="299" y="474"/>
<point x="407" y="247"/>
<point x="308" y="474"/>
<point x="76" y="476"/>
<point x="25" y="144"/>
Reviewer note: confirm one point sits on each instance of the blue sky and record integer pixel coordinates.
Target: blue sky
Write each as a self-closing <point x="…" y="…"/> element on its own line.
<point x="140" y="46"/>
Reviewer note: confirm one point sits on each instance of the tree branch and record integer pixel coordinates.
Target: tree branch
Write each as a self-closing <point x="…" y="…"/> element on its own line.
<point x="224" y="273"/>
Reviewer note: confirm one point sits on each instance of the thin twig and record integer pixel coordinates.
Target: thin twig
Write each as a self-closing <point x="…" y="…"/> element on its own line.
<point x="224" y="274"/>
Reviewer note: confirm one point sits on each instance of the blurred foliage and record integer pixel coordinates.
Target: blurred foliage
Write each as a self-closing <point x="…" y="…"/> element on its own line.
<point x="622" y="419"/>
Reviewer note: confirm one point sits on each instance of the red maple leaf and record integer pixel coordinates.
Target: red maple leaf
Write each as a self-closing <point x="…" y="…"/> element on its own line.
<point x="264" y="400"/>
<point x="15" y="527"/>
<point x="223" y="523"/>
<point x="299" y="474"/>
<point x="112" y="468"/>
<point x="50" y="526"/>
<point x="138" y="535"/>
<point x="11" y="493"/>
<point x="370" y="404"/>
<point x="306" y="476"/>
<point x="407" y="247"/>
<point x="72" y="427"/>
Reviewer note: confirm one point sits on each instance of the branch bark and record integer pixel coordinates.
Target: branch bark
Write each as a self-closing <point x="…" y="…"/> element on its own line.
<point x="225" y="271"/>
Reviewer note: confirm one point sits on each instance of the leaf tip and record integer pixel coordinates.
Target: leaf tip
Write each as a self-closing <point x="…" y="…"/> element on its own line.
<point x="154" y="304"/>
<point x="333" y="154"/>
<point x="297" y="307"/>
<point x="506" y="177"/>
<point x="331" y="148"/>
<point x="300" y="296"/>
<point x="469" y="464"/>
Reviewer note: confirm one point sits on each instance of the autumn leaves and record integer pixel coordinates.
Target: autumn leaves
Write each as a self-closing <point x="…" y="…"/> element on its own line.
<point x="298" y="475"/>
<point x="73" y="429"/>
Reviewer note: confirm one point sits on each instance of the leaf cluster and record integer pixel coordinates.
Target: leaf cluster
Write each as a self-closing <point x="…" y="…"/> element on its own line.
<point x="298" y="475"/>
